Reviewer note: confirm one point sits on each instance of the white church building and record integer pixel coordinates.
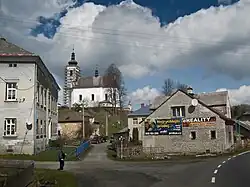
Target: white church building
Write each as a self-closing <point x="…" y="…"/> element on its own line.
<point x="92" y="90"/>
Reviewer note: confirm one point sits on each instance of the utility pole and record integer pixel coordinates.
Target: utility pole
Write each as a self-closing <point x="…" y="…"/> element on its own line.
<point x="83" y="123"/>
<point x="107" y="125"/>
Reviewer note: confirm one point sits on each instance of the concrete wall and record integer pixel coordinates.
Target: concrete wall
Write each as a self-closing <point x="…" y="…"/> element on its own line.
<point x="183" y="143"/>
<point x="22" y="109"/>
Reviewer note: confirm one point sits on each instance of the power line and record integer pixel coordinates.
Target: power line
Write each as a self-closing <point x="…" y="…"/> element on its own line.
<point x="129" y="33"/>
<point x="21" y="89"/>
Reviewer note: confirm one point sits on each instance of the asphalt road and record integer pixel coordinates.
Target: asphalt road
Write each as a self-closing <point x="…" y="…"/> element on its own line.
<point x="188" y="173"/>
<point x="98" y="171"/>
<point x="233" y="172"/>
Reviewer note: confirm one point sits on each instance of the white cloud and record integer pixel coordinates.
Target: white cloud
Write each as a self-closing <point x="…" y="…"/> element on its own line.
<point x="143" y="95"/>
<point x="128" y="35"/>
<point x="238" y="96"/>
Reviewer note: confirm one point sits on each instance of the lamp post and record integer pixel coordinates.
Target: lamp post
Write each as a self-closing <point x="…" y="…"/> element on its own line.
<point x="121" y="140"/>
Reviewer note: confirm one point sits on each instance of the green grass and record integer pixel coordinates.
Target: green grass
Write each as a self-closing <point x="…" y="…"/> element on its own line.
<point x="58" y="178"/>
<point x="48" y="155"/>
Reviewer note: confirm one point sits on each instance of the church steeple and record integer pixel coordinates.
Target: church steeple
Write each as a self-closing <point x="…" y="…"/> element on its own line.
<point x="96" y="71"/>
<point x="73" y="55"/>
<point x="73" y="58"/>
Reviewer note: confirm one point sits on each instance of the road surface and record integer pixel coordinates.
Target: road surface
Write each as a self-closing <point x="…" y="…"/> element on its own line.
<point x="233" y="172"/>
<point x="98" y="171"/>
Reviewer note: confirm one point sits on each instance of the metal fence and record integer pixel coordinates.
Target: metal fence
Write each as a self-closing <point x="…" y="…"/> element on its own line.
<point x="82" y="147"/>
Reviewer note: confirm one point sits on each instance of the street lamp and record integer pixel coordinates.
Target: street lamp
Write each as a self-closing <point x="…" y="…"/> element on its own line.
<point x="121" y="140"/>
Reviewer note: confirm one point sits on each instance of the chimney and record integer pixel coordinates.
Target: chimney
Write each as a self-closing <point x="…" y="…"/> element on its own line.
<point x="142" y="105"/>
<point x="190" y="90"/>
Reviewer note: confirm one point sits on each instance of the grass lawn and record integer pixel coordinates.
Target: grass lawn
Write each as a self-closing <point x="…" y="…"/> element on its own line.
<point x="55" y="178"/>
<point x="48" y="155"/>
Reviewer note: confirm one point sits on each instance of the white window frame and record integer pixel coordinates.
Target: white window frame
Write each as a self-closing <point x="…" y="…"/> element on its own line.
<point x="13" y="91"/>
<point x="12" y="124"/>
<point x="178" y="111"/>
<point x="45" y="98"/>
<point x="80" y="97"/>
<point x="41" y="93"/>
<point x="135" y="121"/>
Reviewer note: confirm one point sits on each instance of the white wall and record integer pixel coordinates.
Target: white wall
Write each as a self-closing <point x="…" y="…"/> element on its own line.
<point x="99" y="95"/>
<point x="131" y="125"/>
<point x="24" y="75"/>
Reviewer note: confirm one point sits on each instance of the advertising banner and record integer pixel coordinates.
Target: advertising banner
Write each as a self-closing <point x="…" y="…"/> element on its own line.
<point x="163" y="126"/>
<point x="198" y="122"/>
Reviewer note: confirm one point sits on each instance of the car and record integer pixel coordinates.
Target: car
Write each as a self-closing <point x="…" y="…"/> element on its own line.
<point x="95" y="140"/>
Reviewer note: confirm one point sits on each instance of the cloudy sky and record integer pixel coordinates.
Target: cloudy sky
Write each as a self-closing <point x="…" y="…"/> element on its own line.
<point x="205" y="44"/>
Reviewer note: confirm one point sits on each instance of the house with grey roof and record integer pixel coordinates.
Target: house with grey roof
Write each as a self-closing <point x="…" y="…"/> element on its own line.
<point x="28" y="101"/>
<point x="134" y="119"/>
<point x="186" y="123"/>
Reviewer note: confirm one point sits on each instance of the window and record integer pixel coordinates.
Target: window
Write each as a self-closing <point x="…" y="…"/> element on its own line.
<point x="10" y="65"/>
<point x="45" y="129"/>
<point x="14" y="65"/>
<point x="37" y="126"/>
<point x="80" y="97"/>
<point x="41" y="127"/>
<point x="41" y="95"/>
<point x="178" y="111"/>
<point x="135" y="121"/>
<point x="92" y="97"/>
<point x="70" y="72"/>
<point x="10" y="126"/>
<point x="11" y="91"/>
<point x="45" y="98"/>
<point x="106" y="97"/>
<point x="213" y="134"/>
<point x="193" y="135"/>
<point x="37" y="93"/>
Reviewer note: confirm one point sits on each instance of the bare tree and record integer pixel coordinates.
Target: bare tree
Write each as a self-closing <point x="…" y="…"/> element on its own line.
<point x="116" y="90"/>
<point x="170" y="85"/>
<point x="181" y="86"/>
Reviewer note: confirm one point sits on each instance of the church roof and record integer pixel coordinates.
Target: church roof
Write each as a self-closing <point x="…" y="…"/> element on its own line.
<point x="93" y="82"/>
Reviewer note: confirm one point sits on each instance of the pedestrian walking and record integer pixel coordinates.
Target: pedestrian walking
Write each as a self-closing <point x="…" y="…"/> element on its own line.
<point x="61" y="158"/>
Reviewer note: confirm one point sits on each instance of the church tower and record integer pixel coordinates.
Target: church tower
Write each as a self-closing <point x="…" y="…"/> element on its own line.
<point x="71" y="76"/>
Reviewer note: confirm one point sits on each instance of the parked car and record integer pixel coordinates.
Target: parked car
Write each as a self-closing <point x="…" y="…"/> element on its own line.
<point x="95" y="140"/>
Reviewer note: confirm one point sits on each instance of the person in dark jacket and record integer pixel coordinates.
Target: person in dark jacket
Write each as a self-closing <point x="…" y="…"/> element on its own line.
<point x="61" y="157"/>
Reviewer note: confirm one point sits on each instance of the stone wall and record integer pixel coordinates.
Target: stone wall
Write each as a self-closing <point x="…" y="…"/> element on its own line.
<point x="183" y="144"/>
<point x="16" y="173"/>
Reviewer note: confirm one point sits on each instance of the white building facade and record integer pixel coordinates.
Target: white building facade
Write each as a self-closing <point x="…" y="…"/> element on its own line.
<point x="28" y="106"/>
<point x="92" y="97"/>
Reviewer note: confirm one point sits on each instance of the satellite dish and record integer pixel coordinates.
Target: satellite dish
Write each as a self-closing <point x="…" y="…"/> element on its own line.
<point x="194" y="102"/>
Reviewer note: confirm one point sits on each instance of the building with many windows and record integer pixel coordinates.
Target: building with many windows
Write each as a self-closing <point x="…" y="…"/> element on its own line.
<point x="28" y="106"/>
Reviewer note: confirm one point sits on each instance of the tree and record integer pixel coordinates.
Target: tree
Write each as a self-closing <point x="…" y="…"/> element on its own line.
<point x="238" y="110"/>
<point x="116" y="90"/>
<point x="78" y="106"/>
<point x="170" y="85"/>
